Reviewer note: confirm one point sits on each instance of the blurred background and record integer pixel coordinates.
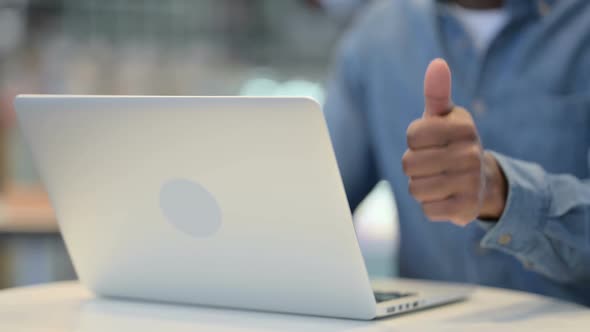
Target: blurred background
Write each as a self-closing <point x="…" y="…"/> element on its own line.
<point x="173" y="47"/>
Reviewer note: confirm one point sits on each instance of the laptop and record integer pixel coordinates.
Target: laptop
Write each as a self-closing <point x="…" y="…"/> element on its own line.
<point x="218" y="201"/>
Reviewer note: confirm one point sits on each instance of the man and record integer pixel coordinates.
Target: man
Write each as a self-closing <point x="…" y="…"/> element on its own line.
<point x="510" y="166"/>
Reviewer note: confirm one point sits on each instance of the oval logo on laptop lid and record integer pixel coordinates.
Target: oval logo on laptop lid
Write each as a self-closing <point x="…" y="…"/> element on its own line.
<point x="190" y="207"/>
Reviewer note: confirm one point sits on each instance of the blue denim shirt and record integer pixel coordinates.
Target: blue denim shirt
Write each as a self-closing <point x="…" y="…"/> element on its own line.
<point x="529" y="95"/>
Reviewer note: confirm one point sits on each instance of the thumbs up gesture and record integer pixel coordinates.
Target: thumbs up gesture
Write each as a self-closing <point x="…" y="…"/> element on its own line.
<point x="450" y="174"/>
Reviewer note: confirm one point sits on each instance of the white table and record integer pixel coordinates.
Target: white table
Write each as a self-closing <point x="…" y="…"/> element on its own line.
<point x="69" y="307"/>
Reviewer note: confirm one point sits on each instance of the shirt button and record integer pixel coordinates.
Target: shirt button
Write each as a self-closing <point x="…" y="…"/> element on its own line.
<point x="505" y="239"/>
<point x="479" y="107"/>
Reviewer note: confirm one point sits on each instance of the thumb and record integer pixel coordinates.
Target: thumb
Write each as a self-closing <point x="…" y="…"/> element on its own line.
<point x="437" y="88"/>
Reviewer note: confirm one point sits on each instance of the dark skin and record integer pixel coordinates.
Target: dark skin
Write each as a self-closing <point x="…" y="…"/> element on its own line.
<point x="450" y="174"/>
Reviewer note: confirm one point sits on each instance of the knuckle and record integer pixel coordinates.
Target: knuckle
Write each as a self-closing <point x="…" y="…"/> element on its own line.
<point x="412" y="133"/>
<point x="476" y="150"/>
<point x="459" y="110"/>
<point x="474" y="156"/>
<point x="463" y="113"/>
<point x="414" y="189"/>
<point x="469" y="131"/>
<point x="407" y="162"/>
<point x="464" y="127"/>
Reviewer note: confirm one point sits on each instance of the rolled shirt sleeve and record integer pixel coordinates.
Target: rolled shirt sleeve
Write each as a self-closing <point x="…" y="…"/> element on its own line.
<point x="546" y="221"/>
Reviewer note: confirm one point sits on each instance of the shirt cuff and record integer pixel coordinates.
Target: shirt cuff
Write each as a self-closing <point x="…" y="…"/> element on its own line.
<point x="524" y="214"/>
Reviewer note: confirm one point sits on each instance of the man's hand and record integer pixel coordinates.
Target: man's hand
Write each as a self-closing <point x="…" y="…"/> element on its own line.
<point x="450" y="174"/>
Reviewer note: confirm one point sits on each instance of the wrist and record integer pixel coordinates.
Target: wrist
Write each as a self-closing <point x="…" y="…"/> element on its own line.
<point x="496" y="190"/>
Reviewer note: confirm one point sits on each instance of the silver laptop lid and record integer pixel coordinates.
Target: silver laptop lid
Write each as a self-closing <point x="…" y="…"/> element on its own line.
<point x="223" y="201"/>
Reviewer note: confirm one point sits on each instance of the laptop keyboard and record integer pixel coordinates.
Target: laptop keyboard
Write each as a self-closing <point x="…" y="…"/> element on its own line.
<point x="388" y="296"/>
